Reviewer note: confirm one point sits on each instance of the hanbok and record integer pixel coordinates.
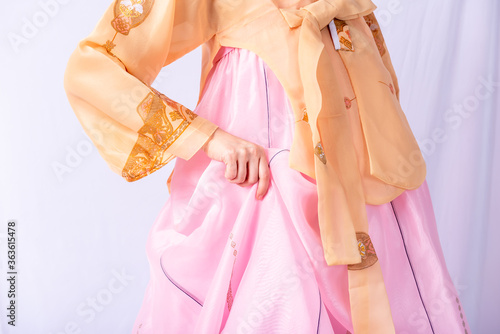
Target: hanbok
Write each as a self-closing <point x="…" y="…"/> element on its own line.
<point x="223" y="262"/>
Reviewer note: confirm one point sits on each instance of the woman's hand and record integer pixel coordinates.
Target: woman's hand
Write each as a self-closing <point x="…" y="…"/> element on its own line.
<point x="246" y="162"/>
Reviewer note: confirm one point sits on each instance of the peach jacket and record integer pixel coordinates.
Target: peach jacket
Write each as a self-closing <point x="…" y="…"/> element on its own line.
<point x="359" y="149"/>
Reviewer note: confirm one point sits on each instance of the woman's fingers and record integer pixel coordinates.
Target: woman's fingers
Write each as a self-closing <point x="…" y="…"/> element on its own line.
<point x="253" y="169"/>
<point x="242" y="169"/>
<point x="264" y="176"/>
<point x="246" y="162"/>
<point x="236" y="167"/>
<point x="231" y="168"/>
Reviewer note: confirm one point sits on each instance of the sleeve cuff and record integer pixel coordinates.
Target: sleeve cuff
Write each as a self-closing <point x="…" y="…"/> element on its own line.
<point x="194" y="137"/>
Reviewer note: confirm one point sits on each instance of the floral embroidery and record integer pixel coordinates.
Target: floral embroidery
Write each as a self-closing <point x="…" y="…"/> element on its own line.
<point x="391" y="87"/>
<point x="191" y="114"/>
<point x="372" y="23"/>
<point x="305" y="117"/>
<point x="175" y="115"/>
<point x="318" y="151"/>
<point x="230" y="298"/>
<point x="109" y="46"/>
<point x="155" y="136"/>
<point x="128" y="14"/>
<point x="366" y="250"/>
<point x="344" y="35"/>
<point x="348" y="102"/>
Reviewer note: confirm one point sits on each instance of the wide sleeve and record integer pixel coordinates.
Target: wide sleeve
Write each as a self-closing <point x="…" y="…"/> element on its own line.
<point x="371" y="21"/>
<point x="136" y="129"/>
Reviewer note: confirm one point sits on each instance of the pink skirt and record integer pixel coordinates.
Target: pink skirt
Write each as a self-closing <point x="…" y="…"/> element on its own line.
<point x="223" y="262"/>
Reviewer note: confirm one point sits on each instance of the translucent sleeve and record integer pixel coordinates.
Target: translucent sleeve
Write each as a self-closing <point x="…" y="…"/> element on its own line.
<point x="136" y="129"/>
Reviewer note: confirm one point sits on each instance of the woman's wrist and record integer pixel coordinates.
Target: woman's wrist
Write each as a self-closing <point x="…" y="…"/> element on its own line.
<point x="204" y="147"/>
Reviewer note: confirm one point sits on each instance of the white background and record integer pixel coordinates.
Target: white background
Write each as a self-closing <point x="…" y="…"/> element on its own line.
<point x="81" y="233"/>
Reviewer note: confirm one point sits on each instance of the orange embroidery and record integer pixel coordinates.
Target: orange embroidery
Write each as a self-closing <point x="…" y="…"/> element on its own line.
<point x="155" y="136"/>
<point x="305" y="117"/>
<point x="344" y="35"/>
<point x="191" y="114"/>
<point x="175" y="115"/>
<point x="372" y="23"/>
<point x="367" y="252"/>
<point x="318" y="151"/>
<point x="109" y="46"/>
<point x="177" y="107"/>
<point x="128" y="14"/>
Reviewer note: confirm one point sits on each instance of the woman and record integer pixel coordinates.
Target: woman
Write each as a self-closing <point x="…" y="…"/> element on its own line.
<point x="296" y="165"/>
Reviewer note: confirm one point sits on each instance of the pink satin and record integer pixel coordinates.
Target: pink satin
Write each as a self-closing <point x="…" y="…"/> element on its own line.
<point x="213" y="246"/>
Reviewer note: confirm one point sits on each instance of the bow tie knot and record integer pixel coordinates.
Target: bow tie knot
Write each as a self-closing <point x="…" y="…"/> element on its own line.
<point x="324" y="11"/>
<point x="321" y="12"/>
